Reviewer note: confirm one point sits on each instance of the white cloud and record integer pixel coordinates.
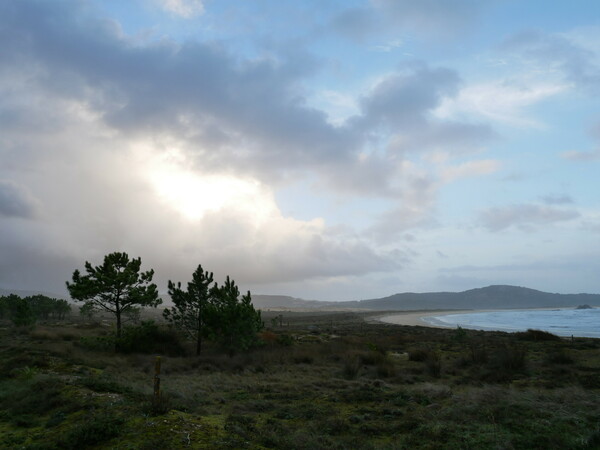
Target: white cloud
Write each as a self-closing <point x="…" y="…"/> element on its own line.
<point x="575" y="155"/>
<point x="183" y="8"/>
<point x="500" y="101"/>
<point x="470" y="169"/>
<point x="525" y="217"/>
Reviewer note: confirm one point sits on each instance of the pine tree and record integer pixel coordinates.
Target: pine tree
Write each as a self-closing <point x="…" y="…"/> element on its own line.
<point x="190" y="306"/>
<point x="116" y="286"/>
<point x="232" y="320"/>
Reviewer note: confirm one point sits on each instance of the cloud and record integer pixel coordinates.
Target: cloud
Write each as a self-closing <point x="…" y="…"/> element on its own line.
<point x="524" y="217"/>
<point x="557" y="199"/>
<point x="558" y="53"/>
<point x="15" y="202"/>
<point x="433" y="17"/>
<point x="500" y="100"/>
<point x="584" y="156"/>
<point x="575" y="155"/>
<point x="469" y="169"/>
<point x="183" y="8"/>
<point x="239" y="126"/>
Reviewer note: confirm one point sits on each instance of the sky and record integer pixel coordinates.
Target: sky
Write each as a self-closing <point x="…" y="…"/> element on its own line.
<point x="326" y="149"/>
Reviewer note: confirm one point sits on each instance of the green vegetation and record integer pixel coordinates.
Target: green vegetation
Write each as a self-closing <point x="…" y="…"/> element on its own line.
<point x="189" y="310"/>
<point x="216" y="312"/>
<point x="24" y="312"/>
<point x="116" y="286"/>
<point x="326" y="380"/>
<point x="232" y="321"/>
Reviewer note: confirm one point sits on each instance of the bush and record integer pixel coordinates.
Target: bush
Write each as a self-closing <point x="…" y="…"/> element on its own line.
<point x="35" y="396"/>
<point x="96" y="429"/>
<point x="433" y="364"/>
<point x="351" y="367"/>
<point x="478" y="353"/>
<point x="559" y="357"/>
<point x="418" y="354"/>
<point x="511" y="357"/>
<point x="147" y="337"/>
<point x="536" y="335"/>
<point x="159" y="405"/>
<point x="285" y="340"/>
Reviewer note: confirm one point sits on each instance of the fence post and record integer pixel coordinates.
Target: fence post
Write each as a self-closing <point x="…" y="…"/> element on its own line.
<point x="157" y="378"/>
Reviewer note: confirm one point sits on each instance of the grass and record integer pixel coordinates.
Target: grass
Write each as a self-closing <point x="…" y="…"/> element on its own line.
<point x="334" y="381"/>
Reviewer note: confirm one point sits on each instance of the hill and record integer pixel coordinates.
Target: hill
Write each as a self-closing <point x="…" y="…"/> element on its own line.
<point x="491" y="297"/>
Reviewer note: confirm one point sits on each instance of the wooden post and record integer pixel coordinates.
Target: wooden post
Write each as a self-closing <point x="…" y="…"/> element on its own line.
<point x="157" y="378"/>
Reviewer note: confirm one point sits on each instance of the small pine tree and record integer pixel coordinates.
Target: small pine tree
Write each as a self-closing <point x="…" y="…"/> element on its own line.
<point x="232" y="320"/>
<point x="189" y="307"/>
<point x="116" y="286"/>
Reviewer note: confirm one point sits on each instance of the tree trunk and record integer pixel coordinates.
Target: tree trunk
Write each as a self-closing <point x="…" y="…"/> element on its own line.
<point x="118" y="315"/>
<point x="199" y="339"/>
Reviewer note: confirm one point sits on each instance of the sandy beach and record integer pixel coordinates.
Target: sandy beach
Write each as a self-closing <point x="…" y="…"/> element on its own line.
<point x="416" y="318"/>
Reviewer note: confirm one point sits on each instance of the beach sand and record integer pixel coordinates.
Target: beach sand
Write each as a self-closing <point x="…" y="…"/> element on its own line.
<point x="416" y="318"/>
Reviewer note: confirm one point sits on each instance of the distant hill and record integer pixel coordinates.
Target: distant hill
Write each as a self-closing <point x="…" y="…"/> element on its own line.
<point x="24" y="293"/>
<point x="286" y="302"/>
<point x="491" y="297"/>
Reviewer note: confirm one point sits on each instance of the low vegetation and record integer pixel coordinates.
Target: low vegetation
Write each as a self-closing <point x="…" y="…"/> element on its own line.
<point x="315" y="381"/>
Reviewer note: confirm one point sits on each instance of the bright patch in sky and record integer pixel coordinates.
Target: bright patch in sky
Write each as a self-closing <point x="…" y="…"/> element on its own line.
<point x="193" y="194"/>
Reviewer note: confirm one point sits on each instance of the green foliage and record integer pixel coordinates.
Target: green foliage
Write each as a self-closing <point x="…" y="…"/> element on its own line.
<point x="148" y="337"/>
<point x="26" y="311"/>
<point x="117" y="286"/>
<point x="459" y="334"/>
<point x="215" y="312"/>
<point x="95" y="429"/>
<point x="87" y="311"/>
<point x="22" y="314"/>
<point x="537" y="335"/>
<point x="232" y="321"/>
<point x="188" y="312"/>
<point x="31" y="396"/>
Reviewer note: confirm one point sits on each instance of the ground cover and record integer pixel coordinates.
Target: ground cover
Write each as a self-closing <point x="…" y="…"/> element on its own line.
<point x="327" y="380"/>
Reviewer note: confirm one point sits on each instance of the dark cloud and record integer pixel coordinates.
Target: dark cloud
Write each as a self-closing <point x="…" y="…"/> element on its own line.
<point x="524" y="217"/>
<point x="15" y="202"/>
<point x="401" y="105"/>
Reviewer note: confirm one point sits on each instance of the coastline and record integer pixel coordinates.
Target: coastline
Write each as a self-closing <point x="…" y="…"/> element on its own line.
<point x="567" y="325"/>
<point x="411" y="318"/>
<point x="416" y="318"/>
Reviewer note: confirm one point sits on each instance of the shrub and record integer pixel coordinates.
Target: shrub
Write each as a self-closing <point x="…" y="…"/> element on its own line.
<point x="148" y="337"/>
<point x="559" y="357"/>
<point x="478" y="353"/>
<point x="459" y="334"/>
<point x="433" y="364"/>
<point x="511" y="357"/>
<point x="159" y="405"/>
<point x="418" y="354"/>
<point x="285" y="340"/>
<point x="34" y="396"/>
<point x="536" y="335"/>
<point x="96" y="429"/>
<point x="351" y="367"/>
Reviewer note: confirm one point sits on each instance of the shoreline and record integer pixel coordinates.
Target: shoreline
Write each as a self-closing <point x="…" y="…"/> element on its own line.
<point x="410" y="318"/>
<point x="434" y="319"/>
<point x="416" y="318"/>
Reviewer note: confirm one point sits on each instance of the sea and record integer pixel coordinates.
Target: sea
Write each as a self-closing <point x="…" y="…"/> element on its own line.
<point x="562" y="322"/>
